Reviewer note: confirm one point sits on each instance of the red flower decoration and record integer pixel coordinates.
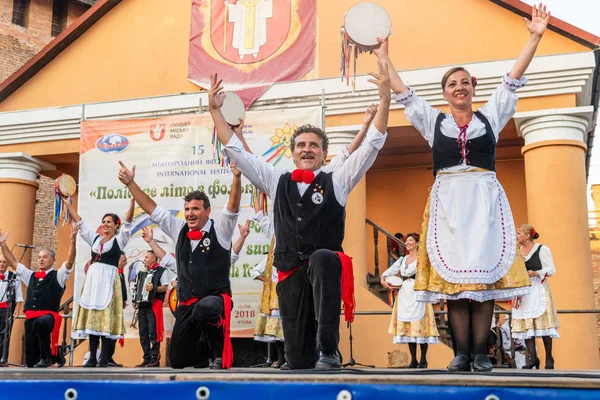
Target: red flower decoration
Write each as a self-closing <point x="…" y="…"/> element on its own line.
<point x="474" y="81"/>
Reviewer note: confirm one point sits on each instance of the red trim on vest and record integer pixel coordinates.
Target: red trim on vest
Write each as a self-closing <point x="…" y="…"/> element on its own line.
<point x="30" y="314"/>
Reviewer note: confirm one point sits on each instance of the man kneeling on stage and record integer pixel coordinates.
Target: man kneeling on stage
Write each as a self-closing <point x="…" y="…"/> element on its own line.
<point x="149" y="304"/>
<point x="44" y="291"/>
<point x="203" y="254"/>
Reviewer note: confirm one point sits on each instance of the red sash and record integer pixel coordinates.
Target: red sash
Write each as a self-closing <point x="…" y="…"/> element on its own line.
<point x="4" y="305"/>
<point x="30" y="314"/>
<point x="160" y="323"/>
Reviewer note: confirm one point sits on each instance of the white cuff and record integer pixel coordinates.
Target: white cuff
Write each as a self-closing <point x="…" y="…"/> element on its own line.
<point x="406" y="96"/>
<point x="514" y="84"/>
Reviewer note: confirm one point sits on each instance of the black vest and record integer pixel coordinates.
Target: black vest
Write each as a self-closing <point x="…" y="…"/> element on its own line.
<point x="123" y="286"/>
<point x="308" y="223"/>
<point x="446" y="151"/>
<point x="4" y="296"/>
<point x="44" y="294"/>
<point x="111" y="257"/>
<point x="156" y="275"/>
<point x="204" y="271"/>
<point x="534" y="263"/>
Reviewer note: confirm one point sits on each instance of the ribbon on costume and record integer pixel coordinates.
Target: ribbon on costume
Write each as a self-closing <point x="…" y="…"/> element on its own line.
<point x="347" y="282"/>
<point x="160" y="323"/>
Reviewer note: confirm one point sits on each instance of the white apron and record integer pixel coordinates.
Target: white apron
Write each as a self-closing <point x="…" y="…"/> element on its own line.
<point x="533" y="305"/>
<point x="471" y="233"/>
<point x="97" y="290"/>
<point x="409" y="309"/>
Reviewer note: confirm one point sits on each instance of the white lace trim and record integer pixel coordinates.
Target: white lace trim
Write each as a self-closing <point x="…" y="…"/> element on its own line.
<point x="418" y="340"/>
<point x="267" y="339"/>
<point x="509" y="244"/>
<point x="275" y="316"/>
<point x="520" y="313"/>
<point x="531" y="333"/>
<point x="406" y="96"/>
<point x="480" y="296"/>
<point x="84" y="333"/>
<point x="514" y="84"/>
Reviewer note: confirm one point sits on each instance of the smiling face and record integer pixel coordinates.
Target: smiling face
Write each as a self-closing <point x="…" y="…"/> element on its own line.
<point x="45" y="260"/>
<point x="195" y="214"/>
<point x="308" y="151"/>
<point x="3" y="264"/>
<point x="109" y="226"/>
<point x="410" y="243"/>
<point x="458" y="90"/>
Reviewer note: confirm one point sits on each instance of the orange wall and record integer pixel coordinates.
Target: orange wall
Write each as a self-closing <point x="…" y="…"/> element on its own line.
<point x="140" y="48"/>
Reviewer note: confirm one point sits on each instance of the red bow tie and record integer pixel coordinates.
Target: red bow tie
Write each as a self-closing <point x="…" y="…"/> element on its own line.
<point x="195" y="235"/>
<point x="2" y="277"/>
<point x="303" y="175"/>
<point x="40" y="274"/>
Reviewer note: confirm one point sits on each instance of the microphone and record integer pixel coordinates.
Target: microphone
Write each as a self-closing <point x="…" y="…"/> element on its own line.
<point x="27" y="246"/>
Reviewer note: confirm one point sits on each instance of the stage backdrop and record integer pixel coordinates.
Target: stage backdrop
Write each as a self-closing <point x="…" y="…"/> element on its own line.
<point x="173" y="156"/>
<point x="252" y="43"/>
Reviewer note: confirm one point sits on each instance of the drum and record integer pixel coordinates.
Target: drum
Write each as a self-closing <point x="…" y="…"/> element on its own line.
<point x="233" y="109"/>
<point x="66" y="185"/>
<point x="173" y="300"/>
<point x="394" y="281"/>
<point x="364" y="23"/>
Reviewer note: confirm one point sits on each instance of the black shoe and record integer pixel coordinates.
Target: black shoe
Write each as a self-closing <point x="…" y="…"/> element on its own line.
<point x="217" y="364"/>
<point x="413" y="364"/>
<point x="535" y="364"/>
<point x="102" y="365"/>
<point x="422" y="365"/>
<point x="153" y="363"/>
<point x="482" y="363"/>
<point x="61" y="362"/>
<point x="112" y="364"/>
<point x="285" y="367"/>
<point x="328" y="361"/>
<point x="461" y="362"/>
<point x="3" y="365"/>
<point x="44" y="363"/>
<point x="143" y="364"/>
<point x="203" y="364"/>
<point x="90" y="364"/>
<point x="277" y="365"/>
<point x="549" y="363"/>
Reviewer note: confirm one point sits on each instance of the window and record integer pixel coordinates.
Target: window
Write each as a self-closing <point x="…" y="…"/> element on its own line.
<point x="20" y="11"/>
<point x="59" y="16"/>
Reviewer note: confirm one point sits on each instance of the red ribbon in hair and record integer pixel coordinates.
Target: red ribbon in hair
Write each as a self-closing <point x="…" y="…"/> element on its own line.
<point x="303" y="175"/>
<point x="473" y="81"/>
<point x="532" y="232"/>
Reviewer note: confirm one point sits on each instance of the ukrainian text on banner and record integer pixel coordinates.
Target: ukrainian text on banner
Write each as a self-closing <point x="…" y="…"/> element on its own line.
<point x="252" y="43"/>
<point x="173" y="156"/>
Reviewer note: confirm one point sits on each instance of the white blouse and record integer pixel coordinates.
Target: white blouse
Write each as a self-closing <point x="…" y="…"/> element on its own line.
<point x="499" y="109"/>
<point x="548" y="268"/>
<point x="89" y="236"/>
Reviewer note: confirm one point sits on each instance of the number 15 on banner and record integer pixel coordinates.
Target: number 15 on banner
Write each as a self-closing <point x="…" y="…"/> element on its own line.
<point x="198" y="149"/>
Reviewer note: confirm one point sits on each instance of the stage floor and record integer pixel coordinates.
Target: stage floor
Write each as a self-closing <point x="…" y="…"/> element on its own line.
<point x="264" y="383"/>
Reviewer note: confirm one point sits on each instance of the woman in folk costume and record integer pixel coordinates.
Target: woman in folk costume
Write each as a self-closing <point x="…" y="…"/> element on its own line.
<point x="100" y="313"/>
<point x="470" y="254"/>
<point x="534" y="314"/>
<point x="412" y="322"/>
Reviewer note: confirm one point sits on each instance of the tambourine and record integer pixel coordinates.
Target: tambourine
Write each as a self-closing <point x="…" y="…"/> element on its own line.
<point x="173" y="300"/>
<point x="66" y="185"/>
<point x="394" y="281"/>
<point x="233" y="109"/>
<point x="364" y="23"/>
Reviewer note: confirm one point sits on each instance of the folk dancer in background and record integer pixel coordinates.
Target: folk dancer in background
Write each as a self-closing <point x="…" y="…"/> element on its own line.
<point x="44" y="292"/>
<point x="203" y="254"/>
<point x="309" y="209"/>
<point x="100" y="312"/>
<point x="150" y="315"/>
<point x="5" y="277"/>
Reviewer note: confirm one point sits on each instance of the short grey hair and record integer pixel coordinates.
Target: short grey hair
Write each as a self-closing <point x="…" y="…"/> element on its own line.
<point x="51" y="252"/>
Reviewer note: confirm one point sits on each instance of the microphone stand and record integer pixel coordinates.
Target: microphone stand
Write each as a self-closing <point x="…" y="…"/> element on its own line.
<point x="351" y="362"/>
<point x="10" y="297"/>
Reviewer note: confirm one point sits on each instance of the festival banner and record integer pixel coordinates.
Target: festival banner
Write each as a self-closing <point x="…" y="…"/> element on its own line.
<point x="251" y="43"/>
<point x="173" y="156"/>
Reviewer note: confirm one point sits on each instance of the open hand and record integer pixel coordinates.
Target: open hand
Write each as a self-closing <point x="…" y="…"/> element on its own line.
<point x="3" y="237"/>
<point x="381" y="51"/>
<point x="215" y="93"/>
<point x="126" y="175"/>
<point x="74" y="231"/>
<point x="244" y="229"/>
<point x="382" y="80"/>
<point x="238" y="129"/>
<point x="540" y="17"/>
<point x="147" y="234"/>
<point x="370" y="113"/>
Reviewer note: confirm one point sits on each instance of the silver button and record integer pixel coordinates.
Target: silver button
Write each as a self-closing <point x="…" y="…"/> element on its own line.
<point x="298" y="219"/>
<point x="299" y="253"/>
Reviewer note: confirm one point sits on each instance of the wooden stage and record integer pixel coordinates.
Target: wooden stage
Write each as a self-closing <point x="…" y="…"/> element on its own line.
<point x="250" y="383"/>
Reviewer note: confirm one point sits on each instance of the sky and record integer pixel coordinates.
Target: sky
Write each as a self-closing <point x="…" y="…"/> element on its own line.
<point x="584" y="14"/>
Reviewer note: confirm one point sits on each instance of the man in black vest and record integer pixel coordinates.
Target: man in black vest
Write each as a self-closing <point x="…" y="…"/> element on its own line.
<point x="150" y="315"/>
<point x="44" y="291"/>
<point x="309" y="215"/>
<point x="203" y="253"/>
<point x="6" y="277"/>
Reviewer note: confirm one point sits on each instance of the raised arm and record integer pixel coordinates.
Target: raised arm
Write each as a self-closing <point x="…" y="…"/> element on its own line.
<point x="6" y="252"/>
<point x="239" y="243"/>
<point x="382" y="54"/>
<point x="148" y="236"/>
<point x="72" y="210"/>
<point x="215" y="102"/>
<point x="536" y="27"/>
<point x="235" y="196"/>
<point x="126" y="176"/>
<point x="369" y="115"/>
<point x="72" y="247"/>
<point x="239" y="133"/>
<point x="382" y="80"/>
<point x="129" y="215"/>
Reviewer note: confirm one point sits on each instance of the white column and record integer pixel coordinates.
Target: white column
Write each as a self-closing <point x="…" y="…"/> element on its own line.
<point x="340" y="137"/>
<point x="22" y="166"/>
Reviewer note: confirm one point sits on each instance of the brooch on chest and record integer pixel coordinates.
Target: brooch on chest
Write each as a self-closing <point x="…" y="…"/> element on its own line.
<point x="317" y="196"/>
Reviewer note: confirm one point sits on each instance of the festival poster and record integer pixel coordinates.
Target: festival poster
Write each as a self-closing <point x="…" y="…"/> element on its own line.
<point x="251" y="43"/>
<point x="173" y="156"/>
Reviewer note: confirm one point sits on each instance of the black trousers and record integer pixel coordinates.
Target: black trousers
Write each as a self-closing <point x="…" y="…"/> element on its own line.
<point x="37" y="339"/>
<point x="196" y="336"/>
<point x="3" y="315"/>
<point x="310" y="301"/>
<point x="147" y="325"/>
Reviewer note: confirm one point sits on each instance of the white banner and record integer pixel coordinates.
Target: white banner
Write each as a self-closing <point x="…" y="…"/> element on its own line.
<point x="174" y="156"/>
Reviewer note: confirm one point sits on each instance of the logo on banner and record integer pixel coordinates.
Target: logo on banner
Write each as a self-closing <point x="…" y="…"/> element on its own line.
<point x="281" y="144"/>
<point x="157" y="132"/>
<point x="112" y="143"/>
